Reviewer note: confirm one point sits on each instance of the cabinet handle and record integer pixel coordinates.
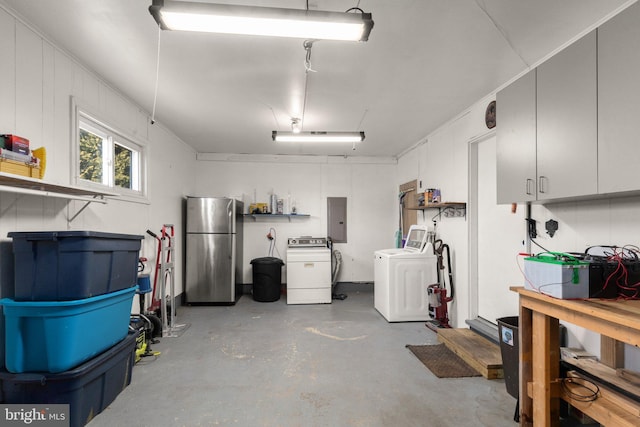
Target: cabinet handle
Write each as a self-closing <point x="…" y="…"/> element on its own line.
<point x="541" y="181"/>
<point x="527" y="190"/>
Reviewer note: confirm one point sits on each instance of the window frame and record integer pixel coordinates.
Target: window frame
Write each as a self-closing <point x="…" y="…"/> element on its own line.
<point x="94" y="122"/>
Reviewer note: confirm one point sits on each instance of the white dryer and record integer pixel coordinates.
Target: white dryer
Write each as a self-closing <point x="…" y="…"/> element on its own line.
<point x="308" y="271"/>
<point x="401" y="278"/>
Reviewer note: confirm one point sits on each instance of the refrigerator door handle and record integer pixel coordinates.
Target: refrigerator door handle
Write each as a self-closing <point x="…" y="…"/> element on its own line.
<point x="230" y="215"/>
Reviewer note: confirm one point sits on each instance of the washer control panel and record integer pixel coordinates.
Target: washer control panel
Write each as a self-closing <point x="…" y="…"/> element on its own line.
<point x="307" y="241"/>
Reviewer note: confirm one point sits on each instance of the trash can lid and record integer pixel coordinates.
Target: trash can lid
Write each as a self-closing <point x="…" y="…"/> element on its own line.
<point x="267" y="260"/>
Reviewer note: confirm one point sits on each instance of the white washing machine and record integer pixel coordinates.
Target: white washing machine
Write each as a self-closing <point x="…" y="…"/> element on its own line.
<point x="401" y="278"/>
<point x="308" y="271"/>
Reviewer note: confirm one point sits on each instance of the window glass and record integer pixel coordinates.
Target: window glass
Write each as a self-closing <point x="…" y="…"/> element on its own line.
<point x="91" y="147"/>
<point x="123" y="166"/>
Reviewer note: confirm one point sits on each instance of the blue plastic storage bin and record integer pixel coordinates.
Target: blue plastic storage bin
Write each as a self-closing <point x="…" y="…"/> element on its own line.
<point x="88" y="388"/>
<point x="70" y="265"/>
<point x="55" y="336"/>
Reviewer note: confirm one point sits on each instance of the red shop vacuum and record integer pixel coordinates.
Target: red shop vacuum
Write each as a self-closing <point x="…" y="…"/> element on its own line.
<point x="437" y="293"/>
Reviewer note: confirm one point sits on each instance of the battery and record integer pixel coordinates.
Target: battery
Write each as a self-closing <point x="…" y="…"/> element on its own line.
<point x="558" y="275"/>
<point x="614" y="272"/>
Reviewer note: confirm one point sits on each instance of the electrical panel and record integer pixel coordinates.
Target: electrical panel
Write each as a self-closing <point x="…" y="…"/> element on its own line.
<point x="337" y="219"/>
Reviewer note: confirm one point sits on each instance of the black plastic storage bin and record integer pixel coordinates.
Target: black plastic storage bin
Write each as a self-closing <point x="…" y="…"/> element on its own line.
<point x="510" y="351"/>
<point x="88" y="389"/>
<point x="267" y="275"/>
<point x="70" y="265"/>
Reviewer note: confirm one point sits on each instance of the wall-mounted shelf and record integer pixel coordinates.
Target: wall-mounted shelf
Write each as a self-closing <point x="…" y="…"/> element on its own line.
<point x="271" y="217"/>
<point x="458" y="208"/>
<point x="23" y="185"/>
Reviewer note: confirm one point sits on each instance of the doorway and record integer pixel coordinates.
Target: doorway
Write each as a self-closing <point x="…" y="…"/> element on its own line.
<point x="495" y="238"/>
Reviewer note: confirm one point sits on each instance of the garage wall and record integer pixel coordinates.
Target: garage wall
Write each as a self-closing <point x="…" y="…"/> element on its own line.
<point x="37" y="82"/>
<point x="441" y="161"/>
<point x="368" y="185"/>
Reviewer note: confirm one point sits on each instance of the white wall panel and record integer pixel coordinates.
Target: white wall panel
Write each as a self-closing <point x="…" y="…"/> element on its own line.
<point x="28" y="83"/>
<point x="7" y="73"/>
<point x="59" y="149"/>
<point x="92" y="93"/>
<point x="48" y="96"/>
<point x="124" y="113"/>
<point x="372" y="219"/>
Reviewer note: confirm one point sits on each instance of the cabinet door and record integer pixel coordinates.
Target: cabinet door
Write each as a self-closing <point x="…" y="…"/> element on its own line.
<point x="567" y="122"/>
<point x="619" y="102"/>
<point x="516" y="140"/>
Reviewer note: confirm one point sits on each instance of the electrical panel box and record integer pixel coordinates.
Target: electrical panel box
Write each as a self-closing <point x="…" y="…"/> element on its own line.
<point x="337" y="219"/>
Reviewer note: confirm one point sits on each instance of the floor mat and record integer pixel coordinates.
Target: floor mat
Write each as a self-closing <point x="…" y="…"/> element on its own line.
<point x="442" y="362"/>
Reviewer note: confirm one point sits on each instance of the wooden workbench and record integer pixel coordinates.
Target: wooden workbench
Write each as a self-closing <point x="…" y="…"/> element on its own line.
<point x="540" y="350"/>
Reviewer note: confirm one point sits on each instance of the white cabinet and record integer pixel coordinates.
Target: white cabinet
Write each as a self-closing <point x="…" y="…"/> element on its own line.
<point x="547" y="129"/>
<point x="567" y="139"/>
<point x="516" y="140"/>
<point x="619" y="102"/>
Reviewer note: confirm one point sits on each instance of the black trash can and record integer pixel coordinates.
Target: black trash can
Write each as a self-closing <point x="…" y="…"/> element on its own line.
<point x="267" y="275"/>
<point x="510" y="351"/>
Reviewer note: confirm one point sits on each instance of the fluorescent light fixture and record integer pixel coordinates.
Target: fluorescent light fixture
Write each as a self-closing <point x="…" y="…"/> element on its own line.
<point x="263" y="21"/>
<point x="317" y="136"/>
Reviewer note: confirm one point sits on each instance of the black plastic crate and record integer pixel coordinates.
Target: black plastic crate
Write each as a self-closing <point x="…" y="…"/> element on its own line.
<point x="88" y="389"/>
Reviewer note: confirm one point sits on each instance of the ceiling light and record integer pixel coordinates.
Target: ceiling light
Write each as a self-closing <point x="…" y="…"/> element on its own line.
<point x="317" y="136"/>
<point x="263" y="21"/>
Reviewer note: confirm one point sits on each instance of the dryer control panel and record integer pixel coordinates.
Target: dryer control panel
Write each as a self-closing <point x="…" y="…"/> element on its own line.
<point x="307" y="241"/>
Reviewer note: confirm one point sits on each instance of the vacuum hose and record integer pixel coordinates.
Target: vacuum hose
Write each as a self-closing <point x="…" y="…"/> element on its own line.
<point x="439" y="248"/>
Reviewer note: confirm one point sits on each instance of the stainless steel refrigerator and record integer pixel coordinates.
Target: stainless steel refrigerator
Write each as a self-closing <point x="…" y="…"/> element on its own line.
<point x="214" y="250"/>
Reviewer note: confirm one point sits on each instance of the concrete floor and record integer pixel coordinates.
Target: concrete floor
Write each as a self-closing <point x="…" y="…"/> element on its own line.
<point x="270" y="364"/>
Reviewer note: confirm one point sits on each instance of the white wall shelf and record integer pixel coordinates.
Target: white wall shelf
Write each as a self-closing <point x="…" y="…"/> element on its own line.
<point x="271" y="217"/>
<point x="10" y="183"/>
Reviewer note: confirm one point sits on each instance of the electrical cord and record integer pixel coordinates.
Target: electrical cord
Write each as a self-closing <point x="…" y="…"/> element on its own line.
<point x="271" y="235"/>
<point x="619" y="277"/>
<point x="592" y="389"/>
<point x="539" y="245"/>
<point x="155" y="91"/>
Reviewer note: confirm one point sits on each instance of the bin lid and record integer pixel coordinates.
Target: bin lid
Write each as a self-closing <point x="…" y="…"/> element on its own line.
<point x="53" y="235"/>
<point x="267" y="260"/>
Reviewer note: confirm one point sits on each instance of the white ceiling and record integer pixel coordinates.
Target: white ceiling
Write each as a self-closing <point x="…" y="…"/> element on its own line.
<point x="425" y="62"/>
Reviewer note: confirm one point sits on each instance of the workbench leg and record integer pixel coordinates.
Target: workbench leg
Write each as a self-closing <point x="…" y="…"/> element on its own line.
<point x="525" y="343"/>
<point x="546" y="370"/>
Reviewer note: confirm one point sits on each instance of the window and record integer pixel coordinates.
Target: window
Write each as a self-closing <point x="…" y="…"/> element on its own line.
<point x="107" y="158"/>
